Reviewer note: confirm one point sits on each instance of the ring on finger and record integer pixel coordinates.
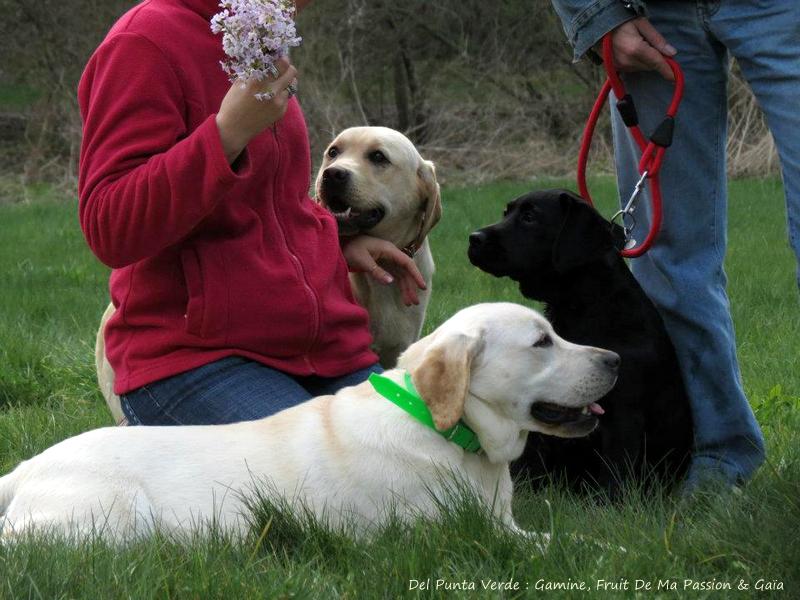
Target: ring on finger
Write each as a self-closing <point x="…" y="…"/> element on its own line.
<point x="273" y="71"/>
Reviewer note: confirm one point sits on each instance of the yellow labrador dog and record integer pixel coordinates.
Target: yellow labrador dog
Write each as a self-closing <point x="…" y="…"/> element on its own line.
<point x="499" y="368"/>
<point x="374" y="181"/>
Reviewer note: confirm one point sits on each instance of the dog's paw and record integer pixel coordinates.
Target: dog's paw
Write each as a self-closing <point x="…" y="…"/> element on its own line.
<point x="577" y="537"/>
<point x="540" y="540"/>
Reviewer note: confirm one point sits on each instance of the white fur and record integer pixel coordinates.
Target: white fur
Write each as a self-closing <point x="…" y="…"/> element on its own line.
<point x="105" y="372"/>
<point x="393" y="325"/>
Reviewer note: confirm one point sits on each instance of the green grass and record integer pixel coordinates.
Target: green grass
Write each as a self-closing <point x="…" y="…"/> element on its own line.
<point x="52" y="293"/>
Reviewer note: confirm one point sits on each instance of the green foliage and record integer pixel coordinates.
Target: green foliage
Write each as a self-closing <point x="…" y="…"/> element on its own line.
<point x="51" y="298"/>
<point x="17" y="97"/>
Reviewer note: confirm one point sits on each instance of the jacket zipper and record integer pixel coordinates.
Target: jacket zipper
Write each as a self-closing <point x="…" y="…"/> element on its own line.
<point x="316" y="317"/>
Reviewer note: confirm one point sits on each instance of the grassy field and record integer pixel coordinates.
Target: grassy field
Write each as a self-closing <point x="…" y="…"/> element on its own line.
<point x="52" y="292"/>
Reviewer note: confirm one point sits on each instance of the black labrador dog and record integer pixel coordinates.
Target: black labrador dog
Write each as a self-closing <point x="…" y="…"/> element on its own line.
<point x="563" y="253"/>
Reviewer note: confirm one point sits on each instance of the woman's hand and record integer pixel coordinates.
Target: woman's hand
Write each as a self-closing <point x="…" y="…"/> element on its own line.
<point x="639" y="47"/>
<point x="362" y="254"/>
<point x="242" y="116"/>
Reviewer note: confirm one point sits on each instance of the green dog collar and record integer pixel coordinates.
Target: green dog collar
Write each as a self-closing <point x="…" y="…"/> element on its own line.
<point x="409" y="400"/>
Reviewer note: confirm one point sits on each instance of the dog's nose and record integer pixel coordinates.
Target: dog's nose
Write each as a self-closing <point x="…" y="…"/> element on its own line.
<point x="477" y="238"/>
<point x="335" y="175"/>
<point x="612" y="360"/>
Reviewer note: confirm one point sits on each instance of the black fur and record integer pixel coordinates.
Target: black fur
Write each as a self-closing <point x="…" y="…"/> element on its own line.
<point x="563" y="253"/>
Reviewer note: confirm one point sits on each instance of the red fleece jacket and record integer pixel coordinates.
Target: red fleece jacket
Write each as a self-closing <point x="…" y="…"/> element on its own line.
<point x="208" y="262"/>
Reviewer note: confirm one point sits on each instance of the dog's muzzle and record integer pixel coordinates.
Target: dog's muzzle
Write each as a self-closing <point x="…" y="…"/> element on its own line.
<point x="486" y="255"/>
<point x="334" y="194"/>
<point x="477" y="242"/>
<point x="554" y="414"/>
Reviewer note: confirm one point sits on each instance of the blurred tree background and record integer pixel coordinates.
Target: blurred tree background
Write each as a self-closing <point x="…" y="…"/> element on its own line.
<point x="487" y="90"/>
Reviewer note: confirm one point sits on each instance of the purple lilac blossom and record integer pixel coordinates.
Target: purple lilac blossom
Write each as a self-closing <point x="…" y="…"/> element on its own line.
<point x="255" y="34"/>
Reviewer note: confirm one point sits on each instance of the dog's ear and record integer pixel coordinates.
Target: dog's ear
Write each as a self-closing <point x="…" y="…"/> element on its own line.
<point x="584" y="236"/>
<point x="431" y="200"/>
<point x="442" y="377"/>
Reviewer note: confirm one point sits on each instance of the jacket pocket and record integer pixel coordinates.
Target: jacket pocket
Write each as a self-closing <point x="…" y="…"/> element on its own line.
<point x="206" y="285"/>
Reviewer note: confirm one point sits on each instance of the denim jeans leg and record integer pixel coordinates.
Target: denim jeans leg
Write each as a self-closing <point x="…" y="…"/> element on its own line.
<point x="766" y="43"/>
<point x="322" y="386"/>
<point x="683" y="273"/>
<point x="229" y="390"/>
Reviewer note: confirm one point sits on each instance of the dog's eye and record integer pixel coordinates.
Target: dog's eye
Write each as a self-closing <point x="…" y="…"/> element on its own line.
<point x="528" y="217"/>
<point x="543" y="342"/>
<point x="378" y="158"/>
<point x="333" y="152"/>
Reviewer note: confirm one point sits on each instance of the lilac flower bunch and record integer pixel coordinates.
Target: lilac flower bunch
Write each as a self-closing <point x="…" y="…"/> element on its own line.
<point x="255" y="34"/>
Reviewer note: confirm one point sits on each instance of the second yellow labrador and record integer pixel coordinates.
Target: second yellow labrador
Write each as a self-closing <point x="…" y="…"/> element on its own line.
<point x="375" y="182"/>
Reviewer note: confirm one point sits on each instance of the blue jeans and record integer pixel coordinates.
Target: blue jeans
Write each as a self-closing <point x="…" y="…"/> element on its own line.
<point x="229" y="390"/>
<point x="683" y="273"/>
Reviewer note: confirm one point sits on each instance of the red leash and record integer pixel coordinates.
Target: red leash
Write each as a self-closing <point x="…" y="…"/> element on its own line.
<point x="652" y="150"/>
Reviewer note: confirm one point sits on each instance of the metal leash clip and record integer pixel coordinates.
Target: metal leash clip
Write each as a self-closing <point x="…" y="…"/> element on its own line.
<point x="628" y="221"/>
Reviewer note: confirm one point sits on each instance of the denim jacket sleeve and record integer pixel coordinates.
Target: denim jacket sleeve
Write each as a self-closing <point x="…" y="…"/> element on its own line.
<point x="586" y="21"/>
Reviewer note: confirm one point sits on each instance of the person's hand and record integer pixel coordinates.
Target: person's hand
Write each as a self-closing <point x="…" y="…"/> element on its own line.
<point x="242" y="116"/>
<point x="362" y="254"/>
<point x="639" y="47"/>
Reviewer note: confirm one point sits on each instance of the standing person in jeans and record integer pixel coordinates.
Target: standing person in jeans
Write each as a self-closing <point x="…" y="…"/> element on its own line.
<point x="231" y="291"/>
<point x="683" y="273"/>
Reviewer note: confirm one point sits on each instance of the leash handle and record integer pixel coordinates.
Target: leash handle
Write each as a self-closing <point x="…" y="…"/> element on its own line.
<point x="653" y="150"/>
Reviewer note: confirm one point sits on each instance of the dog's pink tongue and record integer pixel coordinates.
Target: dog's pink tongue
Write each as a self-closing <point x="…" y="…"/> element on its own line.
<point x="596" y="409"/>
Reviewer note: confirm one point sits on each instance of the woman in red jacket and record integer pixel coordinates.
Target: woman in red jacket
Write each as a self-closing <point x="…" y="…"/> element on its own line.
<point x="232" y="295"/>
